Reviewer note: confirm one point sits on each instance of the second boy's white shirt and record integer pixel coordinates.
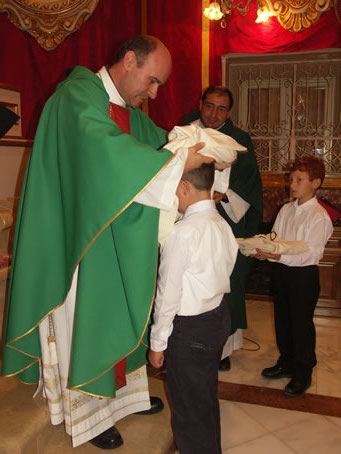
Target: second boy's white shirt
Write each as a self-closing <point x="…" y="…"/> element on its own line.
<point x="196" y="263"/>
<point x="308" y="222"/>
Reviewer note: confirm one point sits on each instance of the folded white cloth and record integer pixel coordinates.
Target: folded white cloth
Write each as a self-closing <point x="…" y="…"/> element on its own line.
<point x="167" y="220"/>
<point x="219" y="146"/>
<point x="248" y="246"/>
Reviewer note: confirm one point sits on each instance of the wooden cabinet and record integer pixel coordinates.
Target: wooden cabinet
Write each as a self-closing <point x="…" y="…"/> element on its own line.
<point x="329" y="303"/>
<point x="14" y="153"/>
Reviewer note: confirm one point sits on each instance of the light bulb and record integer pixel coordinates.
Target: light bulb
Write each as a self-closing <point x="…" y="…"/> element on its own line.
<point x="263" y="15"/>
<point x="213" y="11"/>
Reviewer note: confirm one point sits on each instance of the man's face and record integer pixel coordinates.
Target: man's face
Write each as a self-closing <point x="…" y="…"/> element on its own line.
<point x="301" y="187"/>
<point x="214" y="110"/>
<point x="143" y="82"/>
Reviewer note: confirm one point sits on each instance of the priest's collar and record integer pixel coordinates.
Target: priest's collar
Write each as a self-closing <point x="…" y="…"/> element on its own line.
<point x="201" y="125"/>
<point x="110" y="88"/>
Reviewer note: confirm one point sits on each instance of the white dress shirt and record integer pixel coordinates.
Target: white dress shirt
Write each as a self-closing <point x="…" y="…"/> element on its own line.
<point x="197" y="260"/>
<point x="308" y="222"/>
<point x="160" y="191"/>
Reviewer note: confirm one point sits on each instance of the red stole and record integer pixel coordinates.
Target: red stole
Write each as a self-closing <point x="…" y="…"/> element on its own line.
<point x="121" y="116"/>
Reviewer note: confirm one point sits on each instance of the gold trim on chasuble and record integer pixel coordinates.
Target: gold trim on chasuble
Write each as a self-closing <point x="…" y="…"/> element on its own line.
<point x="38" y="358"/>
<point x="150" y="306"/>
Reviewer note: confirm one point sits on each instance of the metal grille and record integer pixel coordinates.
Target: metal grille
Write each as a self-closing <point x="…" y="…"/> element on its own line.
<point x="290" y="105"/>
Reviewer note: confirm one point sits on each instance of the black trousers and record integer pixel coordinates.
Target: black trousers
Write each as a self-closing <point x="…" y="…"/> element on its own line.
<point x="296" y="291"/>
<point x="192" y="361"/>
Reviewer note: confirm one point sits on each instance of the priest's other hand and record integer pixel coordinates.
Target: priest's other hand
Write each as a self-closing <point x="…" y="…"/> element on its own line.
<point x="156" y="359"/>
<point x="218" y="196"/>
<point x="223" y="165"/>
<point x="194" y="159"/>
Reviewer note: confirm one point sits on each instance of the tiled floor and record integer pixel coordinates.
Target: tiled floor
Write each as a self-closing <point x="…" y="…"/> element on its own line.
<point x="257" y="429"/>
<point x="246" y="428"/>
<point x="254" y="429"/>
<point x="247" y="364"/>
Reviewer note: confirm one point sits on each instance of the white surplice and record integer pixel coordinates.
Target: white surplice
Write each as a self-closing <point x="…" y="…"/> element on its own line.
<point x="86" y="416"/>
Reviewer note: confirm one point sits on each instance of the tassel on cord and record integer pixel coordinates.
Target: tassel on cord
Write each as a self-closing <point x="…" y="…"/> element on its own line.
<point x="52" y="344"/>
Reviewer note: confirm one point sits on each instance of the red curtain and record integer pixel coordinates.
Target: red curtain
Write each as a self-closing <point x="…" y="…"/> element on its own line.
<point x="35" y="72"/>
<point x="242" y="34"/>
<point x="178" y="24"/>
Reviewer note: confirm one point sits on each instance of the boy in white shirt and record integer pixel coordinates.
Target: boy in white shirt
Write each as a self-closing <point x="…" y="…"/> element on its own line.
<point x="296" y="283"/>
<point x="191" y="322"/>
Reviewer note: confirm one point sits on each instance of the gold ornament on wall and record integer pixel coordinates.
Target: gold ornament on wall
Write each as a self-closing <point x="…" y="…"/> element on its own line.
<point x="294" y="15"/>
<point x="48" y="21"/>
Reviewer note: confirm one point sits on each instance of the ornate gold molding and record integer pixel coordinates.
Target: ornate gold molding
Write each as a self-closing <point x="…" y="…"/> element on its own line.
<point x="48" y="21"/>
<point x="296" y="15"/>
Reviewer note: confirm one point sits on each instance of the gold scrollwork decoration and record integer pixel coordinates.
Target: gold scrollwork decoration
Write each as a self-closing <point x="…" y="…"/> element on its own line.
<point x="48" y="21"/>
<point x="296" y="15"/>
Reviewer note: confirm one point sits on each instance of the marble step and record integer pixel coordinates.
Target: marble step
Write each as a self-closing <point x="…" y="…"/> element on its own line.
<point x="25" y="427"/>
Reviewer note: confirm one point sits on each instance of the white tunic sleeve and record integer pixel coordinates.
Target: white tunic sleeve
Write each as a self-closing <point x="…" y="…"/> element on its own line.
<point x="160" y="193"/>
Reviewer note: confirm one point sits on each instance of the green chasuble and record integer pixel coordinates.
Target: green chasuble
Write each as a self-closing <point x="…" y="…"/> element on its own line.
<point x="77" y="208"/>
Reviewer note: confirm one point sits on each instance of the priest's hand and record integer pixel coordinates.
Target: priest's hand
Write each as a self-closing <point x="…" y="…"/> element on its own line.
<point x="223" y="165"/>
<point x="218" y="197"/>
<point x="156" y="359"/>
<point x="194" y="159"/>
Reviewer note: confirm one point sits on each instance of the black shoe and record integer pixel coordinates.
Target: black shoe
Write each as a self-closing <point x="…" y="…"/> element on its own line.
<point x="110" y="439"/>
<point x="225" y="364"/>
<point x="156" y="405"/>
<point x="276" y="371"/>
<point x="296" y="387"/>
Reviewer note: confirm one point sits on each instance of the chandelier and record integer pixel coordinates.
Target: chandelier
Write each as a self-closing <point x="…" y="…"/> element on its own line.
<point x="223" y="9"/>
<point x="293" y="15"/>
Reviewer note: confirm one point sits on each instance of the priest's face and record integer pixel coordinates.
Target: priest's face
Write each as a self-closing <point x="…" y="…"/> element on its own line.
<point x="214" y="110"/>
<point x="142" y="82"/>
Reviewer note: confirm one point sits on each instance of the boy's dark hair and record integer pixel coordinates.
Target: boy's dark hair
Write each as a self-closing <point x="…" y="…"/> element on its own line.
<point x="142" y="45"/>
<point x="313" y="166"/>
<point x="220" y="91"/>
<point x="202" y="178"/>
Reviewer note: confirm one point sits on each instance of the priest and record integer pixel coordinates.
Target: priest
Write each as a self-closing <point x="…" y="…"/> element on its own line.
<point x="85" y="252"/>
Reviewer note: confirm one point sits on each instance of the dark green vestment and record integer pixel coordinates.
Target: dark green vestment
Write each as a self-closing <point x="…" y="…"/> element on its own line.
<point x="246" y="182"/>
<point x="77" y="208"/>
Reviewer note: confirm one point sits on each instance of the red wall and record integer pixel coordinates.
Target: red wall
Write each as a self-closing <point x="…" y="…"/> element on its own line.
<point x="25" y="65"/>
<point x="35" y="72"/>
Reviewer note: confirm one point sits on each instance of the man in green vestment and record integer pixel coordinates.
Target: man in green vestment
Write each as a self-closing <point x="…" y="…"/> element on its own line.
<point x="85" y="252"/>
<point x="241" y="206"/>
